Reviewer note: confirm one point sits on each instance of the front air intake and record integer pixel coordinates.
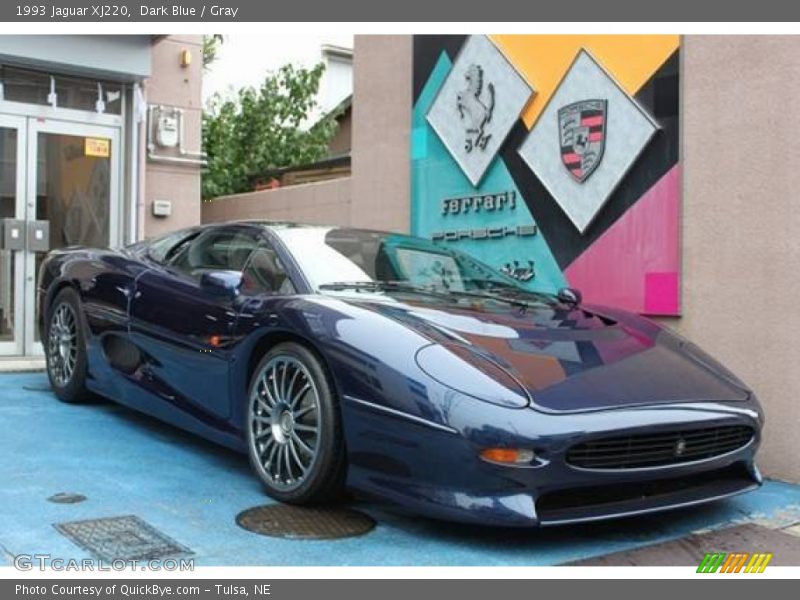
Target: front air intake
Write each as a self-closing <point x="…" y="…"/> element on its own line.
<point x="659" y="449"/>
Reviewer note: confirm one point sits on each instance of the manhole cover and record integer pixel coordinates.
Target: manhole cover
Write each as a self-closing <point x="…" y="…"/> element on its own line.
<point x="286" y="521"/>
<point x="121" y="538"/>
<point x="66" y="498"/>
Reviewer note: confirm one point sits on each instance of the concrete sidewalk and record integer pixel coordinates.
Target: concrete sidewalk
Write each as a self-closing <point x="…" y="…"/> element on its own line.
<point x="191" y="490"/>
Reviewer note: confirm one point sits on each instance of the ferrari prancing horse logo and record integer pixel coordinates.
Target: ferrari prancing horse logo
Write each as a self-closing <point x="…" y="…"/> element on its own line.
<point x="582" y="132"/>
<point x="475" y="108"/>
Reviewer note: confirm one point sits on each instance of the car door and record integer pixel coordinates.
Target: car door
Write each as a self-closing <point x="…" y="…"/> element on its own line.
<point x="185" y="330"/>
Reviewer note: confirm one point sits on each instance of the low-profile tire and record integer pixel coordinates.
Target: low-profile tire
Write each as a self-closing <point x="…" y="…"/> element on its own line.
<point x="293" y="427"/>
<point x="65" y="348"/>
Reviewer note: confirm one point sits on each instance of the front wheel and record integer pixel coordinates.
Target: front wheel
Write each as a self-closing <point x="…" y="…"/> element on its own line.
<point x="294" y="432"/>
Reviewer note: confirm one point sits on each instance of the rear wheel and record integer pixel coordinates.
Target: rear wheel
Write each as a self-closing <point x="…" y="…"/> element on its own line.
<point x="65" y="348"/>
<point x="294" y="433"/>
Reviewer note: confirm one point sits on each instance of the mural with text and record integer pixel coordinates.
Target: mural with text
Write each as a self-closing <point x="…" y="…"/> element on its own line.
<point x="555" y="159"/>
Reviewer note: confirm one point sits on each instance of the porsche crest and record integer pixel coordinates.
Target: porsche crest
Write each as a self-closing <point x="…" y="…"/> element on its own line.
<point x="582" y="132"/>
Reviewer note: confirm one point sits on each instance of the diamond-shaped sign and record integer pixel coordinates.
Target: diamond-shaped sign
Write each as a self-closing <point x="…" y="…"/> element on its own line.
<point x="477" y="105"/>
<point x="586" y="139"/>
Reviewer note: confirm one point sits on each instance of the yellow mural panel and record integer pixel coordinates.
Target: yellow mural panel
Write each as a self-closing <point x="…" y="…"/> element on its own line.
<point x="544" y="59"/>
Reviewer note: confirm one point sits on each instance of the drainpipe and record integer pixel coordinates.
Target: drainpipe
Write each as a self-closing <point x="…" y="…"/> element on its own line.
<point x="140" y="95"/>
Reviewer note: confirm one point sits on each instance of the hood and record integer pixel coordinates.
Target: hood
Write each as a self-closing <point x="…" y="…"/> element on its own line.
<point x="567" y="358"/>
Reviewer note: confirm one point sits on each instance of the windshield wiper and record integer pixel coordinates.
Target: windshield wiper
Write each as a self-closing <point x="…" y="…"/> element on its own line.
<point x="370" y="285"/>
<point x="405" y="286"/>
<point x="512" y="290"/>
<point x="381" y="286"/>
<point x="486" y="295"/>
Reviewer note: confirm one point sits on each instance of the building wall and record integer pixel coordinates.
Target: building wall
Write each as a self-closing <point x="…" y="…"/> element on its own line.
<point x="740" y="222"/>
<point x="174" y="85"/>
<point x="324" y="203"/>
<point x="381" y="129"/>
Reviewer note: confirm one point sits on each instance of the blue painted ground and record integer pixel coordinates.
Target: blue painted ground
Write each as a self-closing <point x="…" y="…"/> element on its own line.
<point x="192" y="490"/>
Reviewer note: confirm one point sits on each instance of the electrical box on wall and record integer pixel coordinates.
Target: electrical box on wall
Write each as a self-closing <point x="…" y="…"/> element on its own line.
<point x="167" y="132"/>
<point x="38" y="236"/>
<point x="162" y="208"/>
<point x="12" y="234"/>
<point x="166" y="128"/>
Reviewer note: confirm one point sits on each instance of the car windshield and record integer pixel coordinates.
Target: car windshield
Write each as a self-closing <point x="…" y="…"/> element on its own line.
<point x="341" y="258"/>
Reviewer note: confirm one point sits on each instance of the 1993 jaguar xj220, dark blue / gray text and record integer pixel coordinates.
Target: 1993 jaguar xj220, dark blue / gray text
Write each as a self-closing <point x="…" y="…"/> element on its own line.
<point x="401" y="369"/>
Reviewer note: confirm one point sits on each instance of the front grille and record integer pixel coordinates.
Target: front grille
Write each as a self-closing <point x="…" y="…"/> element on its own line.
<point x="658" y="449"/>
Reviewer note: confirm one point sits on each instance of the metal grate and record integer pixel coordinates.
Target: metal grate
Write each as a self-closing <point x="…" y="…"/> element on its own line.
<point x="121" y="538"/>
<point x="286" y="521"/>
<point x="658" y="449"/>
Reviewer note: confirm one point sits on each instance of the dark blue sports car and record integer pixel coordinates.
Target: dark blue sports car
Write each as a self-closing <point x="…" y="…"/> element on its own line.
<point x="402" y="369"/>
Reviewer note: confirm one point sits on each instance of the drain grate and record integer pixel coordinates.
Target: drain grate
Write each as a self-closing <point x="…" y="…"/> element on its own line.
<point x="121" y="538"/>
<point x="66" y="498"/>
<point x="286" y="521"/>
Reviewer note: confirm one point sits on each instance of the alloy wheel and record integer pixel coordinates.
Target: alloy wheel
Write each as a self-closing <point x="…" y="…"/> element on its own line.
<point x="284" y="418"/>
<point x="62" y="351"/>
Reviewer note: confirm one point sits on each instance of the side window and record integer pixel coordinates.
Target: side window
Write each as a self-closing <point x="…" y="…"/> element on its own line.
<point x="215" y="250"/>
<point x="162" y="249"/>
<point x="264" y="274"/>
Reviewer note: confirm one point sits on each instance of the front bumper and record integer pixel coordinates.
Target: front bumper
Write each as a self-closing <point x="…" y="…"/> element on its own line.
<point x="595" y="503"/>
<point x="438" y="473"/>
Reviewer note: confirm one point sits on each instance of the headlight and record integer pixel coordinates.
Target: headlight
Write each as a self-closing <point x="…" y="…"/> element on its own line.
<point x="464" y="370"/>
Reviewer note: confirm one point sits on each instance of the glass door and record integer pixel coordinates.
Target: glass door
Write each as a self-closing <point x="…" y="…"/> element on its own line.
<point x="73" y="185"/>
<point x="12" y="214"/>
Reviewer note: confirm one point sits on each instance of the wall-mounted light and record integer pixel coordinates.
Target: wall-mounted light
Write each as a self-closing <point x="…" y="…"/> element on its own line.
<point x="186" y="58"/>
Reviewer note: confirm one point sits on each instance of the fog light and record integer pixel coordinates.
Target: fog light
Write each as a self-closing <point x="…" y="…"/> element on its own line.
<point x="513" y="456"/>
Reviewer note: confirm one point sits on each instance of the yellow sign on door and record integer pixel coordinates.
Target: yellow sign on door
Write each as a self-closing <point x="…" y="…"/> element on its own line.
<point x="97" y="147"/>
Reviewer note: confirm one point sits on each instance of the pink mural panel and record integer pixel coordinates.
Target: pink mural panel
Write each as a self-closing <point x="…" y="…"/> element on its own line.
<point x="635" y="264"/>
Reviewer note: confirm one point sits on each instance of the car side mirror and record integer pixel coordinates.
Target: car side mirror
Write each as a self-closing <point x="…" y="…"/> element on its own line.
<point x="224" y="284"/>
<point x="570" y="295"/>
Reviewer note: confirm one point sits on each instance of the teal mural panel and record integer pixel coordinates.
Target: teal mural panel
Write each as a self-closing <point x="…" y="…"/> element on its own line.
<point x="436" y="178"/>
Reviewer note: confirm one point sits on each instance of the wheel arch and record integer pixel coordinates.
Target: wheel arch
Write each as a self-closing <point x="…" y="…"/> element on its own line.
<point x="255" y="355"/>
<point x="50" y="297"/>
<point x="270" y="339"/>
